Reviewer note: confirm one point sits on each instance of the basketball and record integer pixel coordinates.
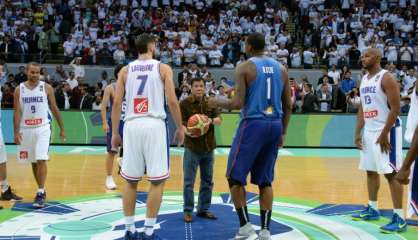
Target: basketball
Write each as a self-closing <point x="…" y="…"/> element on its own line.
<point x="198" y="125"/>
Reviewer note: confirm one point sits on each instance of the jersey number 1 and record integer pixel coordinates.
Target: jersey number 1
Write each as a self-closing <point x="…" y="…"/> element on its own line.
<point x="143" y="79"/>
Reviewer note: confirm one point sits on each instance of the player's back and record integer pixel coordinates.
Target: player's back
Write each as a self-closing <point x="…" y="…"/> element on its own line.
<point x="264" y="94"/>
<point x="144" y="90"/>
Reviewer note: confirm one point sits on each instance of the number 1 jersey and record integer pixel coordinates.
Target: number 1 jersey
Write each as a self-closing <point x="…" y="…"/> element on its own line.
<point x="144" y="90"/>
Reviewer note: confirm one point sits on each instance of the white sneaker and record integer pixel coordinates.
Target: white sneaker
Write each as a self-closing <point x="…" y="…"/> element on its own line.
<point x="264" y="235"/>
<point x="110" y="184"/>
<point x="246" y="232"/>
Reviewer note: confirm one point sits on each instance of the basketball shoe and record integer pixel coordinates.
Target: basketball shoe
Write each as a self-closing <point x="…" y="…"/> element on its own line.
<point x="264" y="234"/>
<point x="132" y="236"/>
<point x="395" y="226"/>
<point x="9" y="195"/>
<point x="367" y="214"/>
<point x="246" y="232"/>
<point x="39" y="200"/>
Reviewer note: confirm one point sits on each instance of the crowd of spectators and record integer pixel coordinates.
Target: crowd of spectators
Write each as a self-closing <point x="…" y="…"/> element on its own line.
<point x="211" y="32"/>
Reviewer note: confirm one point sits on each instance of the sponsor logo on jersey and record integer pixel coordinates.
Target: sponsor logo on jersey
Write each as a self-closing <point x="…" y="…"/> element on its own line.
<point x="370" y="114"/>
<point x="33" y="122"/>
<point x="140" y="105"/>
<point x="23" y="155"/>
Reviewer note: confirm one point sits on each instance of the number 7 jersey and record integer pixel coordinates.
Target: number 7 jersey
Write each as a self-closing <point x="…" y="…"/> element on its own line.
<point x="34" y="106"/>
<point x="144" y="90"/>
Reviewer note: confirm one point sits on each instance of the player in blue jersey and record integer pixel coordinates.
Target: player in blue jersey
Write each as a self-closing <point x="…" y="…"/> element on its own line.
<point x="263" y="95"/>
<point x="107" y="124"/>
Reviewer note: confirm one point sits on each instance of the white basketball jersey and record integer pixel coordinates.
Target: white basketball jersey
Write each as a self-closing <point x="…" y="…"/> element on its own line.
<point x="374" y="102"/>
<point x="144" y="89"/>
<point x="412" y="121"/>
<point x="34" y="106"/>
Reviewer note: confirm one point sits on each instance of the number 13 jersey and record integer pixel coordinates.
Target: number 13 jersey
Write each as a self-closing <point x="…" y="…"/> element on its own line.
<point x="34" y="106"/>
<point x="144" y="90"/>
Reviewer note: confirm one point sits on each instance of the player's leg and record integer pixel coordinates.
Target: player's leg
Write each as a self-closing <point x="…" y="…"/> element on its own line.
<point x="42" y="138"/>
<point x="190" y="163"/>
<point x="262" y="172"/>
<point x="388" y="165"/>
<point x="110" y="156"/>
<point x="368" y="163"/>
<point x="132" y="170"/>
<point x="35" y="172"/>
<point x="206" y="186"/>
<point x="6" y="190"/>
<point x="244" y="151"/>
<point x="156" y="153"/>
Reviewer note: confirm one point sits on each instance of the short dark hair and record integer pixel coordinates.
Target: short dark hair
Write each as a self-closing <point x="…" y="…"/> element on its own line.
<point x="197" y="79"/>
<point x="256" y="41"/>
<point x="35" y="64"/>
<point x="142" y="41"/>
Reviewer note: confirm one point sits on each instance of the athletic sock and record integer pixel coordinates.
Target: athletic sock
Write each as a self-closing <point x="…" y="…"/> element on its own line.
<point x="399" y="212"/>
<point x="242" y="215"/>
<point x="265" y="219"/>
<point x="246" y="213"/>
<point x="130" y="224"/>
<point x="149" y="226"/>
<point x="41" y="190"/>
<point x="373" y="204"/>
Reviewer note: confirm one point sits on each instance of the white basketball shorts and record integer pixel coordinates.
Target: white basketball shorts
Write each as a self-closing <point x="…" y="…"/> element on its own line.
<point x="35" y="144"/>
<point x="373" y="159"/>
<point x="3" y="155"/>
<point x="145" y="149"/>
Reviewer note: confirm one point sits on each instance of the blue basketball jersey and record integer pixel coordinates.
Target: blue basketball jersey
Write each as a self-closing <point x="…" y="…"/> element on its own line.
<point x="264" y="95"/>
<point x="123" y="108"/>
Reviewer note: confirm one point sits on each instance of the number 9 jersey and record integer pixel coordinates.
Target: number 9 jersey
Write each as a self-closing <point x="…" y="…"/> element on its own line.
<point x="34" y="106"/>
<point x="144" y="90"/>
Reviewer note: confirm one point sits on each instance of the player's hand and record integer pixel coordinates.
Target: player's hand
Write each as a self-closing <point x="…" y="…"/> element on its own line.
<point x="62" y="136"/>
<point x="116" y="141"/>
<point x="403" y="175"/>
<point x="212" y="103"/>
<point x="18" y="138"/>
<point x="383" y="141"/>
<point x="358" y="141"/>
<point x="179" y="136"/>
<point x="216" y="121"/>
<point x="105" y="127"/>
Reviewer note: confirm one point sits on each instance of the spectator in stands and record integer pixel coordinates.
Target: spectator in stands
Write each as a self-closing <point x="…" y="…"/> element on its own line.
<point x="3" y="73"/>
<point x="353" y="101"/>
<point x="72" y="81"/>
<point x="69" y="49"/>
<point x="308" y="58"/>
<point x="347" y="84"/>
<point x="21" y="76"/>
<point x="59" y="75"/>
<point x="78" y="69"/>
<point x="215" y="57"/>
<point x="86" y="99"/>
<point x="104" y="81"/>
<point x="406" y="54"/>
<point x="7" y="49"/>
<point x="44" y="76"/>
<point x="334" y="74"/>
<point x="96" y="104"/>
<point x="330" y="80"/>
<point x="7" y="98"/>
<point x="410" y="79"/>
<point x="185" y="92"/>
<point x="183" y="76"/>
<point x="324" y="98"/>
<point x="309" y="100"/>
<point x="119" y="55"/>
<point x="63" y="96"/>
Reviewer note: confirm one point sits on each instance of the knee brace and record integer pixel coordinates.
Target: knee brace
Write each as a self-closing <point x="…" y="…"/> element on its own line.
<point x="232" y="182"/>
<point x="264" y="185"/>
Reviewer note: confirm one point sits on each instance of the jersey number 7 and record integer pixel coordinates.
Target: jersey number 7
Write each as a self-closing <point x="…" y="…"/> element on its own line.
<point x="143" y="79"/>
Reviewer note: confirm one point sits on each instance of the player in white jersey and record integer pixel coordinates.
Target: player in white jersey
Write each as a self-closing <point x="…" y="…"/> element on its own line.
<point x="381" y="144"/>
<point x="6" y="191"/>
<point x="411" y="135"/>
<point x="108" y="96"/>
<point x="145" y="83"/>
<point x="32" y="101"/>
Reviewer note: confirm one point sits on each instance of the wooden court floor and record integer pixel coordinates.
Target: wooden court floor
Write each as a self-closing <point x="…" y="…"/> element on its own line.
<point x="322" y="179"/>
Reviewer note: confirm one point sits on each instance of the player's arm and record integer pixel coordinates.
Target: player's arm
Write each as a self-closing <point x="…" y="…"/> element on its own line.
<point x="103" y="107"/>
<point x="117" y="100"/>
<point x="54" y="109"/>
<point x="359" y="127"/>
<point x="173" y="105"/>
<point x="238" y="99"/>
<point x="286" y="100"/>
<point x="405" y="171"/>
<point x="391" y="88"/>
<point x="17" y="116"/>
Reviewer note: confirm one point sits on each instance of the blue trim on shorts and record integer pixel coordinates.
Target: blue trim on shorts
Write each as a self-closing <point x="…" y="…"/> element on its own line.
<point x="392" y="153"/>
<point x="168" y="143"/>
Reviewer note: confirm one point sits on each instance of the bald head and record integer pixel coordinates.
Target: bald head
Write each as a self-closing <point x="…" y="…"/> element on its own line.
<point x="371" y="58"/>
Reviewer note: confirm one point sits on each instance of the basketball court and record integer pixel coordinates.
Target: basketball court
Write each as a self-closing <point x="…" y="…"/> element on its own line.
<point x="316" y="192"/>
